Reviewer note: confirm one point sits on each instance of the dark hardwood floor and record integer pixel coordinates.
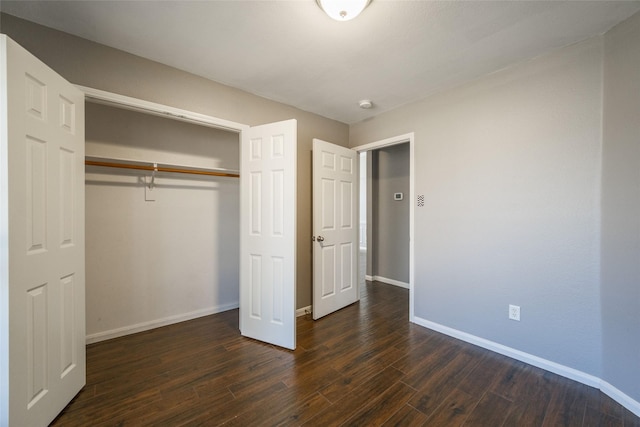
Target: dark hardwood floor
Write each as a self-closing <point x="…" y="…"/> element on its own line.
<point x="365" y="365"/>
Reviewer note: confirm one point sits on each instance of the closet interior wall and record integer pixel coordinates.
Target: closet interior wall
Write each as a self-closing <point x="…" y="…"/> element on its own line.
<point x="151" y="263"/>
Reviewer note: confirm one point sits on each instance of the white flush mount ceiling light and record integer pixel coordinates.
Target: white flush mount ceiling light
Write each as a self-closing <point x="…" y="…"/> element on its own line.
<point x="343" y="10"/>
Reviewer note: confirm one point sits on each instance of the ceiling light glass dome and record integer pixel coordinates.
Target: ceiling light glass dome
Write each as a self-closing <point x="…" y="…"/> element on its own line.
<point x="343" y="10"/>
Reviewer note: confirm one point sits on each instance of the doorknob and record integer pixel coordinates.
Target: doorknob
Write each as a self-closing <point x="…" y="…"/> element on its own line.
<point x="320" y="239"/>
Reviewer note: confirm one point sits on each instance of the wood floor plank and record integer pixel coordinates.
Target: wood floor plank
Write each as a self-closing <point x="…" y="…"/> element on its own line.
<point x="237" y="367"/>
<point x="595" y="418"/>
<point x="300" y="413"/>
<point x="513" y="383"/>
<point x="363" y="365"/>
<point x="350" y="403"/>
<point x="383" y="407"/>
<point x="371" y="351"/>
<point x="263" y="377"/>
<point x="178" y="407"/>
<point x="434" y="361"/>
<point x="406" y="416"/>
<point x="492" y="410"/>
<point x="312" y="380"/>
<point x="109" y="408"/>
<point x="489" y="370"/>
<point x="286" y="408"/>
<point x="335" y="391"/>
<point x="434" y="388"/>
<point x="630" y="419"/>
<point x="454" y="409"/>
<point x="530" y="413"/>
<point x="414" y="336"/>
<point x="414" y="354"/>
<point x="225" y="407"/>
<point x="566" y="407"/>
<point x="530" y="406"/>
<point x="606" y="404"/>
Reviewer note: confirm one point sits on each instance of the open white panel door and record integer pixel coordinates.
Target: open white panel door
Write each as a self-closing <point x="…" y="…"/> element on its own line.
<point x="335" y="227"/>
<point x="268" y="233"/>
<point x="42" y="291"/>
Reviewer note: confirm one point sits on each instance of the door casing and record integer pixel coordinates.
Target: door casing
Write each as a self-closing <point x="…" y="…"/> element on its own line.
<point x="388" y="142"/>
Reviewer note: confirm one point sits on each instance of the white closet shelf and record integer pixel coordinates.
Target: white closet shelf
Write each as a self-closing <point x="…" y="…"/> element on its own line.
<point x="111" y="162"/>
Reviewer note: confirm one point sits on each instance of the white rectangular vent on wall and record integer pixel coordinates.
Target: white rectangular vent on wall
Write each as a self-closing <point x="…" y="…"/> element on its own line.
<point x="421" y="201"/>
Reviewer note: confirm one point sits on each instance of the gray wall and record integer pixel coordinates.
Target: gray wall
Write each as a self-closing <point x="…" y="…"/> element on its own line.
<point x="621" y="209"/>
<point x="90" y="64"/>
<point x="370" y="213"/>
<point x="390" y="226"/>
<point x="510" y="169"/>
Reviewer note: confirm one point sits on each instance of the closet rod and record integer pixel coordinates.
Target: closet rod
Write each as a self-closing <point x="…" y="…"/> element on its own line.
<point x="159" y="168"/>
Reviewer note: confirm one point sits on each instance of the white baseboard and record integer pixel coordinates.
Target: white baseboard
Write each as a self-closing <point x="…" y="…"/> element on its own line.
<point x="369" y="278"/>
<point x="304" y="310"/>
<point x="620" y="397"/>
<point x="390" y="281"/>
<point x="145" y="326"/>
<point x="565" y="371"/>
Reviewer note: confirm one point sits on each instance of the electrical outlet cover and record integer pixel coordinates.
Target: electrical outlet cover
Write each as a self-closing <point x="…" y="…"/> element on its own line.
<point x="514" y="312"/>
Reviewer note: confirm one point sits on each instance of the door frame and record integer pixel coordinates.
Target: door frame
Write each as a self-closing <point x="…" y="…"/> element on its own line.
<point x="101" y="97"/>
<point x="135" y="104"/>
<point x="147" y="107"/>
<point x="388" y="142"/>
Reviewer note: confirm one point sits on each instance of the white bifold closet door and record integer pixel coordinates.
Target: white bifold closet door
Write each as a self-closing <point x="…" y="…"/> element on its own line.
<point x="268" y="233"/>
<point x="42" y="295"/>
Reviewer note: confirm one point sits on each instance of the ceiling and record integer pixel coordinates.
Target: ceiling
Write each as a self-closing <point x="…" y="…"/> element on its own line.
<point x="394" y="53"/>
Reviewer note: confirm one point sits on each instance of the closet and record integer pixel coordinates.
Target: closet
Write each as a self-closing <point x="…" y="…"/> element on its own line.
<point x="162" y="230"/>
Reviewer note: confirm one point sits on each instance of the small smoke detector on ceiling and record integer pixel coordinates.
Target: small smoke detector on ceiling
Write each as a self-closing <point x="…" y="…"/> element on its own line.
<point x="365" y="104"/>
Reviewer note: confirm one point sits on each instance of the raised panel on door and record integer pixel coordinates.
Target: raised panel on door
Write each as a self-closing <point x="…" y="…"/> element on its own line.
<point x="44" y="208"/>
<point x="36" y="194"/>
<point x="268" y="233"/>
<point x="347" y="266"/>
<point x="335" y="230"/>
<point x="37" y="344"/>
<point x="68" y="319"/>
<point x="328" y="271"/>
<point x="328" y="203"/>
